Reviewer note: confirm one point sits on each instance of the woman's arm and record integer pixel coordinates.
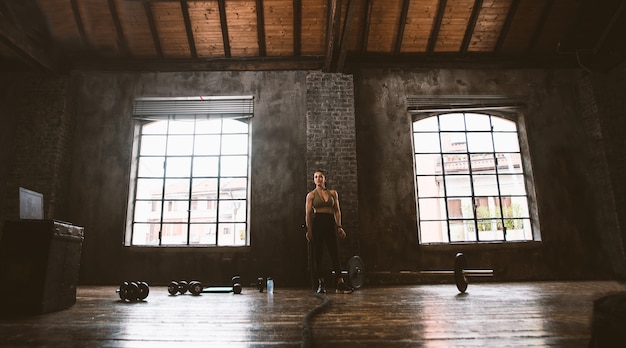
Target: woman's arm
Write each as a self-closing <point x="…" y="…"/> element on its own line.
<point x="308" y="207"/>
<point x="340" y="230"/>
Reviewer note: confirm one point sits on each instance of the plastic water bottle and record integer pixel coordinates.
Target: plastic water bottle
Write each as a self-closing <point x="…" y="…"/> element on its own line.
<point x="270" y="285"/>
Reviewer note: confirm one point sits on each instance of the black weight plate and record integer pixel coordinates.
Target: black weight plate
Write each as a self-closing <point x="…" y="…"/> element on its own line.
<point x="183" y="286"/>
<point x="133" y="291"/>
<point x="356" y="272"/>
<point x="172" y="288"/>
<point x="123" y="291"/>
<point x="195" y="288"/>
<point x="143" y="291"/>
<point x="460" y="263"/>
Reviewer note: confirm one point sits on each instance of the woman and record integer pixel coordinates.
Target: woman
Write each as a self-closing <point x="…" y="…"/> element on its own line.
<point x="323" y="220"/>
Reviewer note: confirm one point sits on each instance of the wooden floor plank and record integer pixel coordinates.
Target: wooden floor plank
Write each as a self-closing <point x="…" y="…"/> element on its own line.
<point x="488" y="315"/>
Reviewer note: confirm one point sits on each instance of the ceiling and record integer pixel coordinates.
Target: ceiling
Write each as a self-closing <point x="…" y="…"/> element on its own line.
<point x="332" y="35"/>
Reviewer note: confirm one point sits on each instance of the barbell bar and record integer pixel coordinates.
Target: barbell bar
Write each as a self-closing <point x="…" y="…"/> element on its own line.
<point x="461" y="273"/>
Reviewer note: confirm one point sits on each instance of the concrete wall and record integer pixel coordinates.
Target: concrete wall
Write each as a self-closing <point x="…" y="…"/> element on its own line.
<point x="573" y="209"/>
<point x="574" y="166"/>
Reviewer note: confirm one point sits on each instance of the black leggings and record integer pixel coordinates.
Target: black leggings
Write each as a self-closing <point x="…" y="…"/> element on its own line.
<point x="325" y="232"/>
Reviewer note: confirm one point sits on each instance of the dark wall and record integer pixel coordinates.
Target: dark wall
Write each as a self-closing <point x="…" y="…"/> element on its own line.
<point x="574" y="215"/>
<point x="102" y="156"/>
<point x="573" y="158"/>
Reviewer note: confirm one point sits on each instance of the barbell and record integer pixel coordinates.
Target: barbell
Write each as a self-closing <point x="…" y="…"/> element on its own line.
<point x="460" y="273"/>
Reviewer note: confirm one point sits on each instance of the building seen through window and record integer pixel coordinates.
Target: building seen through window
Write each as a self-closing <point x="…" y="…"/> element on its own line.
<point x="470" y="179"/>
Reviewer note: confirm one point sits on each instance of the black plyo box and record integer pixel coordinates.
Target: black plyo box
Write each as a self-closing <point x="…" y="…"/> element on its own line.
<point x="39" y="265"/>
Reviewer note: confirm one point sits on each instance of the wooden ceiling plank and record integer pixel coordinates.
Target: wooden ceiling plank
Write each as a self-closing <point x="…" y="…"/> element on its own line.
<point x="118" y="29"/>
<point x="188" y="29"/>
<point x="153" y="30"/>
<point x="332" y="33"/>
<point x="401" y="26"/>
<point x="224" y="24"/>
<point x="545" y="13"/>
<point x="346" y="33"/>
<point x="478" y="4"/>
<point x="432" y="40"/>
<point x="506" y="26"/>
<point x="260" y="20"/>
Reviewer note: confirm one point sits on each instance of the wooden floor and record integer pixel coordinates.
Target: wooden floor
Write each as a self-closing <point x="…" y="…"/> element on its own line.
<point x="538" y="314"/>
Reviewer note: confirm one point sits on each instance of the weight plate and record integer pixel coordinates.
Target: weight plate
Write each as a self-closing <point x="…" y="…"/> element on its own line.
<point x="183" y="286"/>
<point x="356" y="272"/>
<point x="143" y="291"/>
<point x="195" y="288"/>
<point x="172" y="288"/>
<point x="123" y="291"/>
<point x="460" y="263"/>
<point x="133" y="291"/>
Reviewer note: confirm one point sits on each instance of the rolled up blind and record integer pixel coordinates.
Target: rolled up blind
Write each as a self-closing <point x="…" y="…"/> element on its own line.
<point x="431" y="105"/>
<point x="156" y="108"/>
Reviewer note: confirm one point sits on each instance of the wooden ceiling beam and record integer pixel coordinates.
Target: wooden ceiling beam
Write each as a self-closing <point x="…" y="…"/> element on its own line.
<point x="202" y="64"/>
<point x="118" y="29"/>
<point x="297" y="27"/>
<point x="333" y="20"/>
<point x="20" y="33"/>
<point x="541" y="24"/>
<point x="79" y="22"/>
<point x="434" y="33"/>
<point x="153" y="30"/>
<point x="367" y="17"/>
<point x="260" y="28"/>
<point x="401" y="25"/>
<point x="506" y="26"/>
<point x="224" y="24"/>
<point x="188" y="29"/>
<point x="471" y="25"/>
<point x="348" y="24"/>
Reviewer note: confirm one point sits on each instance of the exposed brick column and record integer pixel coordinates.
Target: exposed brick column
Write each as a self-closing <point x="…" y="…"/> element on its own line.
<point x="41" y="146"/>
<point x="331" y="146"/>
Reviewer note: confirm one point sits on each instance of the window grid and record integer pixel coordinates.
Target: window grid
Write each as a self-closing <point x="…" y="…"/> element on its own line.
<point x="455" y="204"/>
<point x="176" y="219"/>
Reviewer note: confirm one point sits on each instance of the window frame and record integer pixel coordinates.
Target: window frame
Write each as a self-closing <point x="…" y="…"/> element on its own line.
<point x="507" y="113"/>
<point x="191" y="109"/>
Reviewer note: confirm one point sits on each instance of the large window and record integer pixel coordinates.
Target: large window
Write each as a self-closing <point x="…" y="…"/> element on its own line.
<point x="190" y="182"/>
<point x="470" y="179"/>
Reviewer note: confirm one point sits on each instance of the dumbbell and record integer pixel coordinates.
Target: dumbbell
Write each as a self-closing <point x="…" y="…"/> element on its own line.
<point x="196" y="287"/>
<point x="260" y="284"/>
<point x="133" y="291"/>
<point x="461" y="274"/>
<point x="181" y="287"/>
<point x="235" y="287"/>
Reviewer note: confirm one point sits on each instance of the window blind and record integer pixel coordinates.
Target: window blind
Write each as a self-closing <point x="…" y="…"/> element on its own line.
<point x="157" y="108"/>
<point x="430" y="105"/>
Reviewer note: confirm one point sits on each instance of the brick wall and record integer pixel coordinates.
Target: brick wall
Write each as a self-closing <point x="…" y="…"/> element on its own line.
<point x="331" y="146"/>
<point x="39" y="155"/>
